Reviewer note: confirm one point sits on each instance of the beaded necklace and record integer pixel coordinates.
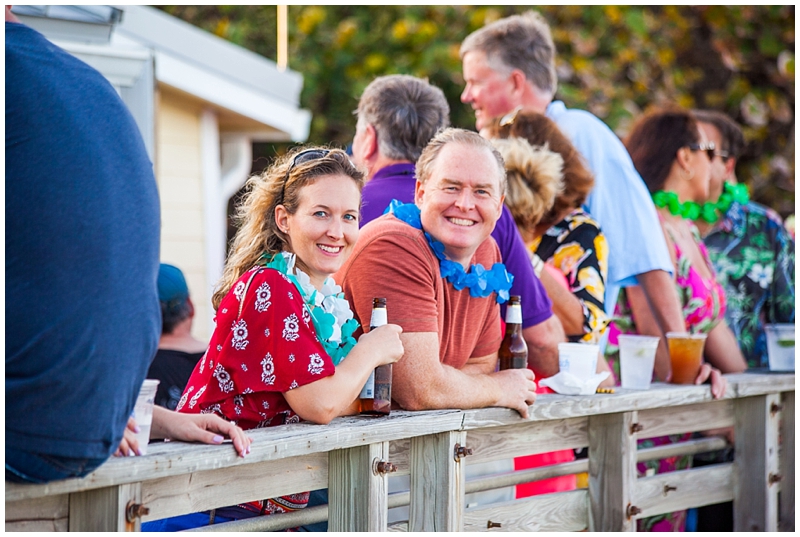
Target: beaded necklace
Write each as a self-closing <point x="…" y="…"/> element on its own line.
<point x="711" y="212"/>
<point x="480" y="282"/>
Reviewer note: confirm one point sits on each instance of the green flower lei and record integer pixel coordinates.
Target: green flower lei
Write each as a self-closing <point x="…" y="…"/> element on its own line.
<point x="711" y="212"/>
<point x="324" y="321"/>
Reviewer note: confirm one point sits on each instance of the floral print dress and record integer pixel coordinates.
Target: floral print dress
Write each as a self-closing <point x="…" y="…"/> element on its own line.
<point x="264" y="344"/>
<point x="577" y="247"/>
<point x="703" y="303"/>
<point x="753" y="256"/>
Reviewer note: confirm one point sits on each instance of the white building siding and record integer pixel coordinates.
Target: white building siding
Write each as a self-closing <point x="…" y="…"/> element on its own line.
<point x="180" y="183"/>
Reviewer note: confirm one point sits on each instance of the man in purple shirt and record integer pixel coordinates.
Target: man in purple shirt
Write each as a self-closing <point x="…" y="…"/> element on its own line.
<point x="397" y="117"/>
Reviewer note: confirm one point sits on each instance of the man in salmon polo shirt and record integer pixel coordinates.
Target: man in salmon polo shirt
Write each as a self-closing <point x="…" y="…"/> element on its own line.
<point x="423" y="258"/>
<point x="397" y="117"/>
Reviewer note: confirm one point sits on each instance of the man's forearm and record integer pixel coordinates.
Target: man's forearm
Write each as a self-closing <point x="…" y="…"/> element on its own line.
<point x="450" y="388"/>
<point x="662" y="297"/>
<point x="543" y="340"/>
<point x="421" y="382"/>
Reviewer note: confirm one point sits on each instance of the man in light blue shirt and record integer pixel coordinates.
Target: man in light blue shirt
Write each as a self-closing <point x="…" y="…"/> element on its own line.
<point x="509" y="65"/>
<point x="629" y="218"/>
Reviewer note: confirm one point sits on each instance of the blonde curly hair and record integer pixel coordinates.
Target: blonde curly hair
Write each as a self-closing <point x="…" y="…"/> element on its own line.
<point x="539" y="129"/>
<point x="534" y="177"/>
<point x="280" y="184"/>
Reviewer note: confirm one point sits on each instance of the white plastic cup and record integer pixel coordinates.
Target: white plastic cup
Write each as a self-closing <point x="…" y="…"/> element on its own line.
<point x="143" y="412"/>
<point x="637" y="356"/>
<point x="578" y="359"/>
<point x="780" y="346"/>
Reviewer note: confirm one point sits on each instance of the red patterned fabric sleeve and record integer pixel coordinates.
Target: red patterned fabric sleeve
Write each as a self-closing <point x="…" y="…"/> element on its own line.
<point x="270" y="348"/>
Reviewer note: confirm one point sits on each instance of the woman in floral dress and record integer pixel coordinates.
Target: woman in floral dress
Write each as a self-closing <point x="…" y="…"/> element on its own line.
<point x="283" y="349"/>
<point x="673" y="157"/>
<point x="561" y="233"/>
<point x="539" y="195"/>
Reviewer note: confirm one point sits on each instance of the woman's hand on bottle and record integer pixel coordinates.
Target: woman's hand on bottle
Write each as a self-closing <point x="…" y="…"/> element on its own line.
<point x="384" y="342"/>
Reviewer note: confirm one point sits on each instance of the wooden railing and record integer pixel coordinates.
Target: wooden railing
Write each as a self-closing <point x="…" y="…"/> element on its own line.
<point x="177" y="478"/>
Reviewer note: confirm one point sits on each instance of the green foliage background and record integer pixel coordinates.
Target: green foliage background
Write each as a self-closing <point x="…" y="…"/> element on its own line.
<point x="612" y="60"/>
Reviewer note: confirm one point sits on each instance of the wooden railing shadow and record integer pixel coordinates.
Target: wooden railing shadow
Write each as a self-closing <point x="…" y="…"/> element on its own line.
<point x="176" y="478"/>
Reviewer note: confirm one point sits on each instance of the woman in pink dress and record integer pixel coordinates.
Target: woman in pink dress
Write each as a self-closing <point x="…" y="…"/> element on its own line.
<point x="674" y="157"/>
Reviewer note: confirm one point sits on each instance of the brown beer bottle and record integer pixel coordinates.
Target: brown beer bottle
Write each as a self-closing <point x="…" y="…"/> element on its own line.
<point x="513" y="350"/>
<point x="376" y="395"/>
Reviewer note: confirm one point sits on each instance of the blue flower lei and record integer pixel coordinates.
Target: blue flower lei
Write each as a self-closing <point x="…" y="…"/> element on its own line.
<point x="324" y="322"/>
<point x="480" y="282"/>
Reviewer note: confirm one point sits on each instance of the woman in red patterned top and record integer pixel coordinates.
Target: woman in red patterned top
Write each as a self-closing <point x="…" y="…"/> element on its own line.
<point x="283" y="348"/>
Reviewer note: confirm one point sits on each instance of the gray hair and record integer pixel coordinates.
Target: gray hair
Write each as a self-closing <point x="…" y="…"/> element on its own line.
<point x="406" y="112"/>
<point x="519" y="42"/>
<point x="458" y="136"/>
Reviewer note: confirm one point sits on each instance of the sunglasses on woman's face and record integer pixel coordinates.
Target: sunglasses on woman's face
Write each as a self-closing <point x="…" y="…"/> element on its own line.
<point x="724" y="155"/>
<point x="708" y="147"/>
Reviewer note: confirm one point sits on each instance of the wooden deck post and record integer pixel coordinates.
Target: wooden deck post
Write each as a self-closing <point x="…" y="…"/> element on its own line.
<point x="104" y="509"/>
<point x="357" y="495"/>
<point x="612" y="471"/>
<point x="755" y="496"/>
<point x="437" y="483"/>
<point x="787" y="454"/>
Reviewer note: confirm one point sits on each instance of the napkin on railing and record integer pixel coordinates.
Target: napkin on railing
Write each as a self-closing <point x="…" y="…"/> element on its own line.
<point x="568" y="384"/>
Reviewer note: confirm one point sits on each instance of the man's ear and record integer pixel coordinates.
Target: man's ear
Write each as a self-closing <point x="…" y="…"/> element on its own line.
<point x="730" y="168"/>
<point x="370" y="146"/>
<point x="419" y="192"/>
<point x="191" y="307"/>
<point x="519" y="80"/>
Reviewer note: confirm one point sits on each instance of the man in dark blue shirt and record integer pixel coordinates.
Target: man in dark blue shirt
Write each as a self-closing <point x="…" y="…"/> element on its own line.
<point x="82" y="250"/>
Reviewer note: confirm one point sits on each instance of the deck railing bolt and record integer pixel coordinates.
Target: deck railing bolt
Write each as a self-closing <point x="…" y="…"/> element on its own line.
<point x="668" y="488"/>
<point x="135" y="510"/>
<point x="775" y="408"/>
<point x="491" y="524"/>
<point x="380" y="467"/>
<point x="637" y="427"/>
<point x="459" y="452"/>
<point x="633" y="511"/>
<point x="775" y="478"/>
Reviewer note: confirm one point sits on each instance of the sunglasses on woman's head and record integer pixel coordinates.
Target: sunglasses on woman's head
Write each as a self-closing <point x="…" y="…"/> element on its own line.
<point x="303" y="156"/>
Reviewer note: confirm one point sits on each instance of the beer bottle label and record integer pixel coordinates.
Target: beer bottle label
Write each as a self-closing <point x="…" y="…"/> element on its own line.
<point x="514" y="314"/>
<point x="368" y="391"/>
<point x="378" y="318"/>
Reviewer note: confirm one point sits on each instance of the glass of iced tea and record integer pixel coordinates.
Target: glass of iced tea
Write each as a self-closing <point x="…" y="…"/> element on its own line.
<point x="685" y="355"/>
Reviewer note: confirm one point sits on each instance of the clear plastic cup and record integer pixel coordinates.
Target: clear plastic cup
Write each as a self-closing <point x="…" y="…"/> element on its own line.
<point x="637" y="356"/>
<point x="780" y="346"/>
<point x="685" y="356"/>
<point x="143" y="412"/>
<point x="578" y="359"/>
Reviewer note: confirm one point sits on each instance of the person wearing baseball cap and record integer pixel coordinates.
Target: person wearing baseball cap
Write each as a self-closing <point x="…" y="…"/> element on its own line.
<point x="178" y="351"/>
